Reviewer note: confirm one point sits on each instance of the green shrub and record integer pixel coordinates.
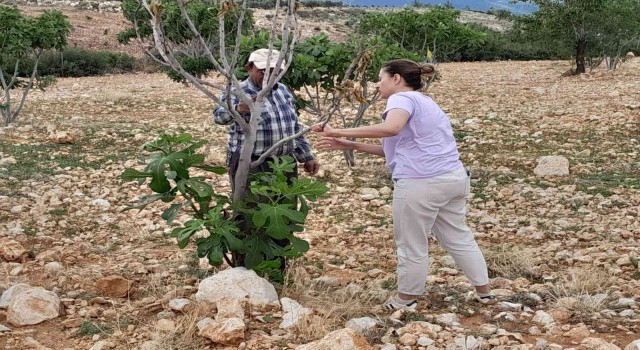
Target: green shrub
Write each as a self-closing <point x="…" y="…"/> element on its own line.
<point x="76" y="62"/>
<point x="315" y="3"/>
<point x="272" y="211"/>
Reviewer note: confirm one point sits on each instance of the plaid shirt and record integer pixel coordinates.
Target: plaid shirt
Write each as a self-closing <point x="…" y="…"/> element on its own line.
<point x="277" y="121"/>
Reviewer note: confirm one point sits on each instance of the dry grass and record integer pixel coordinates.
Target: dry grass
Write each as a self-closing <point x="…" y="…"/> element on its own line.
<point x="583" y="290"/>
<point x="332" y="307"/>
<point x="184" y="337"/>
<point x="509" y="262"/>
<point x="186" y="334"/>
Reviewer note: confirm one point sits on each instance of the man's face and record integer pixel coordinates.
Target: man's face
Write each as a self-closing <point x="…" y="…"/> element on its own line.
<point x="256" y="75"/>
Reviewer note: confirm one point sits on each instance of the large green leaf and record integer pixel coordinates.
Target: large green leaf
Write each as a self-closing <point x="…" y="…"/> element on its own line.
<point x="300" y="244"/>
<point x="171" y="213"/>
<point x="158" y="167"/>
<point x="306" y="187"/>
<point x="195" y="186"/>
<point x="277" y="218"/>
<point x="183" y="234"/>
<point x="256" y="248"/>
<point x="227" y="229"/>
<point x="133" y="174"/>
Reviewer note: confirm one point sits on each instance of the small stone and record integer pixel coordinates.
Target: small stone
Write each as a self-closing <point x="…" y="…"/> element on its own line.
<point x="229" y="331"/>
<point x="584" y="153"/>
<point x="113" y="286"/>
<point x="101" y="203"/>
<point x="8" y="161"/>
<point x="16" y="271"/>
<point x="543" y="318"/>
<point x="165" y="325"/>
<point x="11" y="250"/>
<point x="182" y="305"/>
<point x="294" y="313"/>
<point x="552" y="166"/>
<point x="53" y="267"/>
<point x="424" y="341"/>
<point x="408" y="339"/>
<point x="625" y="302"/>
<point x="362" y="324"/>
<point x="203" y="323"/>
<point x="229" y="308"/>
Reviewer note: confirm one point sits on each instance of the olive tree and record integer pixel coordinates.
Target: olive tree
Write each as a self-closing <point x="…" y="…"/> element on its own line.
<point x="592" y="27"/>
<point x="21" y="38"/>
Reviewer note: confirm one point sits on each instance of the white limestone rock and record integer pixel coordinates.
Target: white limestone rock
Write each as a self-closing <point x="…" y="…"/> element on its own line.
<point x="362" y="324"/>
<point x="33" y="306"/>
<point x="341" y="339"/>
<point x="237" y="283"/>
<point x="552" y="166"/>
<point x="294" y="313"/>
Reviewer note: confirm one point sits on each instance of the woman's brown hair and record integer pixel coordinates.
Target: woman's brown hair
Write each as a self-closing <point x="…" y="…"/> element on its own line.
<point x="413" y="73"/>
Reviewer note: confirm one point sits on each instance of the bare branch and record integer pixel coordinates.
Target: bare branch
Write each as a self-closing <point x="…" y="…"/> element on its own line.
<point x="227" y="73"/>
<point x="27" y="88"/>
<point x="266" y="154"/>
<point x="236" y="50"/>
<point x="170" y="59"/>
<point x="14" y="78"/>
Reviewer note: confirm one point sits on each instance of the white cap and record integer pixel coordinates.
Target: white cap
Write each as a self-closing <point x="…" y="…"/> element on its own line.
<point x="259" y="58"/>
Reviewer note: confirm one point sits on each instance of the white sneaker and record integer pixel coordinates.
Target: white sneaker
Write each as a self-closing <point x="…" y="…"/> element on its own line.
<point x="395" y="303"/>
<point x="486" y="300"/>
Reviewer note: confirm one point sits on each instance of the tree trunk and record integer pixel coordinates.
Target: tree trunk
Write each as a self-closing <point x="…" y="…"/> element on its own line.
<point x="581" y="48"/>
<point x="241" y="178"/>
<point x="349" y="157"/>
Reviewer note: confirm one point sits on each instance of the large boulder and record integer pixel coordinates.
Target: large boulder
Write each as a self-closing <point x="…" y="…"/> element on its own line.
<point x="342" y="339"/>
<point x="33" y="306"/>
<point x="237" y="283"/>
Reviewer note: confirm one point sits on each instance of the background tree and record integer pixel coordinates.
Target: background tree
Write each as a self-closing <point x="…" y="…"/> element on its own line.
<point x="583" y="24"/>
<point x="26" y="38"/>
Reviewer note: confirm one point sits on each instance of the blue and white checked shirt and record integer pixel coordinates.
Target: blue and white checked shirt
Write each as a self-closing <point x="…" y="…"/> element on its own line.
<point x="278" y="120"/>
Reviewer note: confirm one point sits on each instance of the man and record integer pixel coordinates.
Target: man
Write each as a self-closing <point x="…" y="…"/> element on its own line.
<point x="279" y="120"/>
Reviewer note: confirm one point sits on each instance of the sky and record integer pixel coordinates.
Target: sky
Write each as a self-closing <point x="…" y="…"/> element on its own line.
<point x="481" y="5"/>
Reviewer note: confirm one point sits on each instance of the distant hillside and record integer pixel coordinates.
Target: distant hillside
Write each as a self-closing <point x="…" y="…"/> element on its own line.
<point x="478" y="5"/>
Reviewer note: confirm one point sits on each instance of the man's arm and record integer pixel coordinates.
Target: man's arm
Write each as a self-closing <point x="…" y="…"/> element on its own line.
<point x="220" y="115"/>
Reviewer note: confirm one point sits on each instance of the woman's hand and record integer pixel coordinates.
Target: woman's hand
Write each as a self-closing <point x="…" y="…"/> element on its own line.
<point x="332" y="143"/>
<point x="325" y="131"/>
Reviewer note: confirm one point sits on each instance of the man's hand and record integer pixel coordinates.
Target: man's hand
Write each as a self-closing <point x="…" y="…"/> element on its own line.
<point x="243" y="109"/>
<point x="311" y="166"/>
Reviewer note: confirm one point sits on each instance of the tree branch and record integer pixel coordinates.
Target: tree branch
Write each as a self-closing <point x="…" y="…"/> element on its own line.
<point x="266" y="154"/>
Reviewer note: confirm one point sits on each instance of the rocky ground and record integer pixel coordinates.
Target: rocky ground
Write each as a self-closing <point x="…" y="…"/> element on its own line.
<point x="563" y="250"/>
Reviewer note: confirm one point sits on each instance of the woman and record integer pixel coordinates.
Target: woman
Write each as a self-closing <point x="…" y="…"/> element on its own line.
<point x="431" y="183"/>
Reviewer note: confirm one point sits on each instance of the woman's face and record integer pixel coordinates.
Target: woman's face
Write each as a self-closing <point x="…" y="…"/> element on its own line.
<point x="386" y="84"/>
